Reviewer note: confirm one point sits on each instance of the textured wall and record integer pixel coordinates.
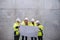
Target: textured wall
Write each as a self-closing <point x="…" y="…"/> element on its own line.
<point x="47" y="11"/>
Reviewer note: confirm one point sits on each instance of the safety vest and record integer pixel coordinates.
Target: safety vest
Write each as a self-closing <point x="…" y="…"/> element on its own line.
<point x="16" y="28"/>
<point x="33" y="24"/>
<point x="29" y="24"/>
<point x="40" y="32"/>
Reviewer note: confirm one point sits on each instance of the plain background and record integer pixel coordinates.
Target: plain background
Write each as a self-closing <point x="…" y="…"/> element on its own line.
<point x="47" y="11"/>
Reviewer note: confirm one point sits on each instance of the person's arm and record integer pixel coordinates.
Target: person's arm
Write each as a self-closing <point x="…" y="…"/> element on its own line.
<point x="14" y="27"/>
<point x="41" y="27"/>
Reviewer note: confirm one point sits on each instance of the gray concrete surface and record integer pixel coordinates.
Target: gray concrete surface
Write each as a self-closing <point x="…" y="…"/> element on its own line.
<point x="47" y="11"/>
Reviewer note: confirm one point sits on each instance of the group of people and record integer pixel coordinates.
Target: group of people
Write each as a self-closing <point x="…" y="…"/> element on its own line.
<point x="27" y="22"/>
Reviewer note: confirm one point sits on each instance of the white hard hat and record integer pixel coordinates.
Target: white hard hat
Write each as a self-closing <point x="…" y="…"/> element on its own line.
<point x="26" y="18"/>
<point x="32" y="20"/>
<point x="18" y="20"/>
<point x="37" y="21"/>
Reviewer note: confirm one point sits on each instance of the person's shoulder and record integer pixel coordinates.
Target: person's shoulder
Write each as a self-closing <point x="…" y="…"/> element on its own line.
<point x="30" y="24"/>
<point x="41" y="25"/>
<point x="22" y="23"/>
<point x="14" y="24"/>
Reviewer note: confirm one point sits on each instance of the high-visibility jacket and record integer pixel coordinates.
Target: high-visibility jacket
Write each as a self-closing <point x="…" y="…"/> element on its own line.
<point x="16" y="28"/>
<point x="34" y="24"/>
<point x="23" y="23"/>
<point x="40" y="32"/>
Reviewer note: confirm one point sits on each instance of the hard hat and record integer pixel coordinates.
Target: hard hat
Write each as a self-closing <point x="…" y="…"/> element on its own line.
<point x="37" y="21"/>
<point x="32" y="20"/>
<point x="26" y="18"/>
<point x="18" y="20"/>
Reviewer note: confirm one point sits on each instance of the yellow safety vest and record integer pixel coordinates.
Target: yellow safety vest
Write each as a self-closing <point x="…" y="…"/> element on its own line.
<point x="40" y="33"/>
<point x="34" y="24"/>
<point x="16" y="29"/>
<point x="29" y="24"/>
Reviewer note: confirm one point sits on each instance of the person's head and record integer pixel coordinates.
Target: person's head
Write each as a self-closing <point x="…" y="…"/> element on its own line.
<point x="32" y="20"/>
<point x="38" y="22"/>
<point x="26" y="20"/>
<point x="18" y="20"/>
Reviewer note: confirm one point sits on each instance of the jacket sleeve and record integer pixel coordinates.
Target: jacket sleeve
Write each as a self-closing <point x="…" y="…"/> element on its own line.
<point x="14" y="27"/>
<point x="41" y="27"/>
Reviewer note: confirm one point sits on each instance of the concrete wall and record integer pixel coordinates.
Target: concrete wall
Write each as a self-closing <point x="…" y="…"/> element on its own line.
<point x="47" y="11"/>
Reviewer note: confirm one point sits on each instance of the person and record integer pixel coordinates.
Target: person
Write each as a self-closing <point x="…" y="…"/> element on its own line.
<point x="34" y="24"/>
<point x="16" y="29"/>
<point x="40" y="32"/>
<point x="25" y="23"/>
